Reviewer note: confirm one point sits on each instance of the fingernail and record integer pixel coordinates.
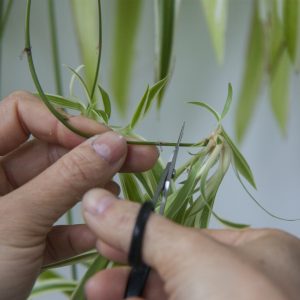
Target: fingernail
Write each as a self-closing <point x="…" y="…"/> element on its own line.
<point x="97" y="206"/>
<point x="110" y="146"/>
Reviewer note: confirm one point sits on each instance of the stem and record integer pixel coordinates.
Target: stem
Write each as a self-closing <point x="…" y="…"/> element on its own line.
<point x="168" y="144"/>
<point x="62" y="118"/>
<point x="99" y="51"/>
<point x="54" y="43"/>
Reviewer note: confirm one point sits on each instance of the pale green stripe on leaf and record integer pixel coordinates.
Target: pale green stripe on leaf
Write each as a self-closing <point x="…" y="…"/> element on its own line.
<point x="216" y="17"/>
<point x="252" y="78"/>
<point x="52" y="285"/>
<point x="131" y="188"/>
<point x="127" y="19"/>
<point x="86" y="21"/>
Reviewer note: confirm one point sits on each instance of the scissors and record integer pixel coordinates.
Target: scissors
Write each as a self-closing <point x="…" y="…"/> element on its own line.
<point x="140" y="271"/>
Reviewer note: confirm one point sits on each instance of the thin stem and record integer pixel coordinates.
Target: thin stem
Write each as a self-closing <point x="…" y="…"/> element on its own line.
<point x="168" y="144"/>
<point x="99" y="51"/>
<point x="54" y="44"/>
<point x="62" y="118"/>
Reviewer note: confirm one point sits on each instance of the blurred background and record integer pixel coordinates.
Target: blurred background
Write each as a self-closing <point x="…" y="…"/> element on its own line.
<point x="270" y="147"/>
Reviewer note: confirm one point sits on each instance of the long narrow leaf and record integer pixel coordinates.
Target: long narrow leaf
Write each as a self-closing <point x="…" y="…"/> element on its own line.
<point x="239" y="160"/>
<point x="166" y="12"/>
<point x="106" y="101"/>
<point x="72" y="260"/>
<point x="86" y="23"/>
<point x="64" y="102"/>
<point x="216" y="18"/>
<point x="292" y="30"/>
<point x="130" y="188"/>
<point x="208" y="107"/>
<point x="253" y="75"/>
<point x="127" y="20"/>
<point x="52" y="285"/>
<point x="228" y="102"/>
<point x="139" y="111"/>
<point x="99" y="263"/>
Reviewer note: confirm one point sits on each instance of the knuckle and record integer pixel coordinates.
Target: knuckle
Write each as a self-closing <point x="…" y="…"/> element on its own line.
<point x="74" y="170"/>
<point x="19" y="95"/>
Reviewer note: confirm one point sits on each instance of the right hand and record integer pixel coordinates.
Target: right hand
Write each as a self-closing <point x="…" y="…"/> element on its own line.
<point x="190" y="263"/>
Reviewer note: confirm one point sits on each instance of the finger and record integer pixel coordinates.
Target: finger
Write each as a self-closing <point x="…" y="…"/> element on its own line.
<point x="111" y="284"/>
<point x="140" y="158"/>
<point x="22" y="114"/>
<point x="113" y="221"/>
<point x="65" y="241"/>
<point x="234" y="237"/>
<point x="111" y="253"/>
<point x="93" y="163"/>
<point x="28" y="161"/>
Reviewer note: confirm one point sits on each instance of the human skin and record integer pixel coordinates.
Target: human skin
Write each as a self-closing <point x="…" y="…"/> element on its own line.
<point x="41" y="178"/>
<point x="191" y="263"/>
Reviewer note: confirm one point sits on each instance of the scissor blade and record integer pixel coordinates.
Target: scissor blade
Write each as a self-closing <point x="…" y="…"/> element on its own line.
<point x="170" y="173"/>
<point x="175" y="154"/>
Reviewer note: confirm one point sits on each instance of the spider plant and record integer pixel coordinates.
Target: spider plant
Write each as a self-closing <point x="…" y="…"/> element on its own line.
<point x="197" y="181"/>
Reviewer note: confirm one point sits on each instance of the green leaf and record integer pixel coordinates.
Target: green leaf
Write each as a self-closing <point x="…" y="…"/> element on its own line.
<point x="86" y="24"/>
<point x="292" y="30"/>
<point x="258" y="204"/>
<point x="230" y="223"/>
<point x="209" y="108"/>
<point x="154" y="90"/>
<point x="52" y="285"/>
<point x="239" y="160"/>
<point x="64" y="102"/>
<point x="127" y="18"/>
<point x="106" y="101"/>
<point x="71" y="261"/>
<point x="279" y="71"/>
<point x="102" y="114"/>
<point x="49" y="274"/>
<point x="139" y="111"/>
<point x="80" y="79"/>
<point x="4" y="16"/>
<point x="178" y="199"/>
<point x="130" y="188"/>
<point x="165" y="13"/>
<point x="252" y="78"/>
<point x="228" y="102"/>
<point x="279" y="91"/>
<point x="216" y="17"/>
<point x="99" y="263"/>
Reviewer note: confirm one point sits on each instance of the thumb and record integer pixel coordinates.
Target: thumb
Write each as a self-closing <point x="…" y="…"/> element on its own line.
<point x="113" y="221"/>
<point x="58" y="188"/>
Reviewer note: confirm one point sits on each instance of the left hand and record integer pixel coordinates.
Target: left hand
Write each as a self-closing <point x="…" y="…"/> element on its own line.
<point x="41" y="179"/>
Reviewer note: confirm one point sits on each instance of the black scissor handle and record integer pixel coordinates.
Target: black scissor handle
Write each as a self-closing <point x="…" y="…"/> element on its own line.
<point x="140" y="271"/>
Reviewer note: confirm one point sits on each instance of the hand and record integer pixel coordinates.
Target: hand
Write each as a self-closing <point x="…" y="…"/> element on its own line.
<point x="41" y="179"/>
<point x="191" y="263"/>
